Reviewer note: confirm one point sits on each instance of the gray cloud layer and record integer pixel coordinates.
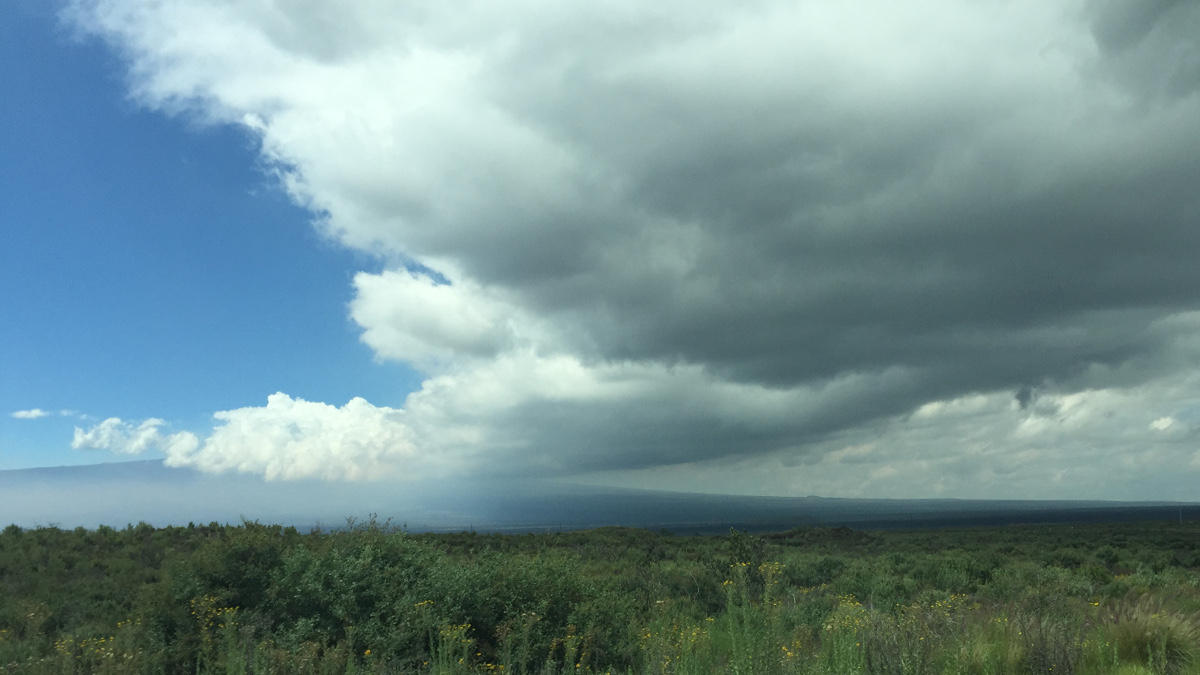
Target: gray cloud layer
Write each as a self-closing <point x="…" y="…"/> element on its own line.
<point x="679" y="232"/>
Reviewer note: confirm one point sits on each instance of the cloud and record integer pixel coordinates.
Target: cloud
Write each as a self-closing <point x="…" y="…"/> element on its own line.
<point x="293" y="438"/>
<point x="1112" y="443"/>
<point x="621" y="236"/>
<point x="409" y="317"/>
<point x="125" y="438"/>
<point x="38" y="413"/>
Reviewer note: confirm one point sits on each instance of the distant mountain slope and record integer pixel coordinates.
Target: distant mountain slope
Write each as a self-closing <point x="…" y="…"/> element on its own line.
<point x="120" y="493"/>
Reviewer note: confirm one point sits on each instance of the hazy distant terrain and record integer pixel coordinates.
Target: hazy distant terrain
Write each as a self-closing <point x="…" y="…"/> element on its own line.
<point x="130" y="492"/>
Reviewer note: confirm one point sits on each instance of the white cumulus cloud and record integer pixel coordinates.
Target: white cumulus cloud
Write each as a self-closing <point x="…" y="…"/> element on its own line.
<point x="409" y="317"/>
<point x="125" y="438"/>
<point x="292" y="438"/>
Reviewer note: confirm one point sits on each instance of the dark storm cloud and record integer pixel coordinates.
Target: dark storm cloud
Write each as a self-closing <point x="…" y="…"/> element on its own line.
<point x="676" y="233"/>
<point x="936" y="230"/>
<point x="1150" y="46"/>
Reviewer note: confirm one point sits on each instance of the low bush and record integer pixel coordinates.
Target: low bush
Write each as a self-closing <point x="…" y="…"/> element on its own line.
<point x="371" y="598"/>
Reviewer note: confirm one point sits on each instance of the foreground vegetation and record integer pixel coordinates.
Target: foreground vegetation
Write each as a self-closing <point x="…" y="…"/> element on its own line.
<point x="1121" y="598"/>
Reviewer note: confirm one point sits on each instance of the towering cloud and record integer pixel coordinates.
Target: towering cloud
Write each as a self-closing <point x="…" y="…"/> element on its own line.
<point x="628" y="235"/>
<point x="291" y="438"/>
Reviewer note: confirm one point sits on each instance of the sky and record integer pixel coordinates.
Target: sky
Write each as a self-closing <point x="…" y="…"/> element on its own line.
<point x="929" y="249"/>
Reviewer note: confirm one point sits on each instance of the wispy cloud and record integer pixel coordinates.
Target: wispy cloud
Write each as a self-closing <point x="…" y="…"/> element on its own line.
<point x="32" y="414"/>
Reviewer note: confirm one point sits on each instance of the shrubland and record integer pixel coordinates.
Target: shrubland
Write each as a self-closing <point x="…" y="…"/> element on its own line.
<point x="372" y="598"/>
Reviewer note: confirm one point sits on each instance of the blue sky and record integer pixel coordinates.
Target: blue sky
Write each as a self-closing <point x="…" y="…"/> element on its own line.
<point x="150" y="266"/>
<point x="913" y="250"/>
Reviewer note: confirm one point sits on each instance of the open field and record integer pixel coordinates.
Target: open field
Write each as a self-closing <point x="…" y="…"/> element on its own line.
<point x="1095" y="598"/>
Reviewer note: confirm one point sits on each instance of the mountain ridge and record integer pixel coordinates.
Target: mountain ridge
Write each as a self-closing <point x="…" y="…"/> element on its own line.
<point x="146" y="490"/>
